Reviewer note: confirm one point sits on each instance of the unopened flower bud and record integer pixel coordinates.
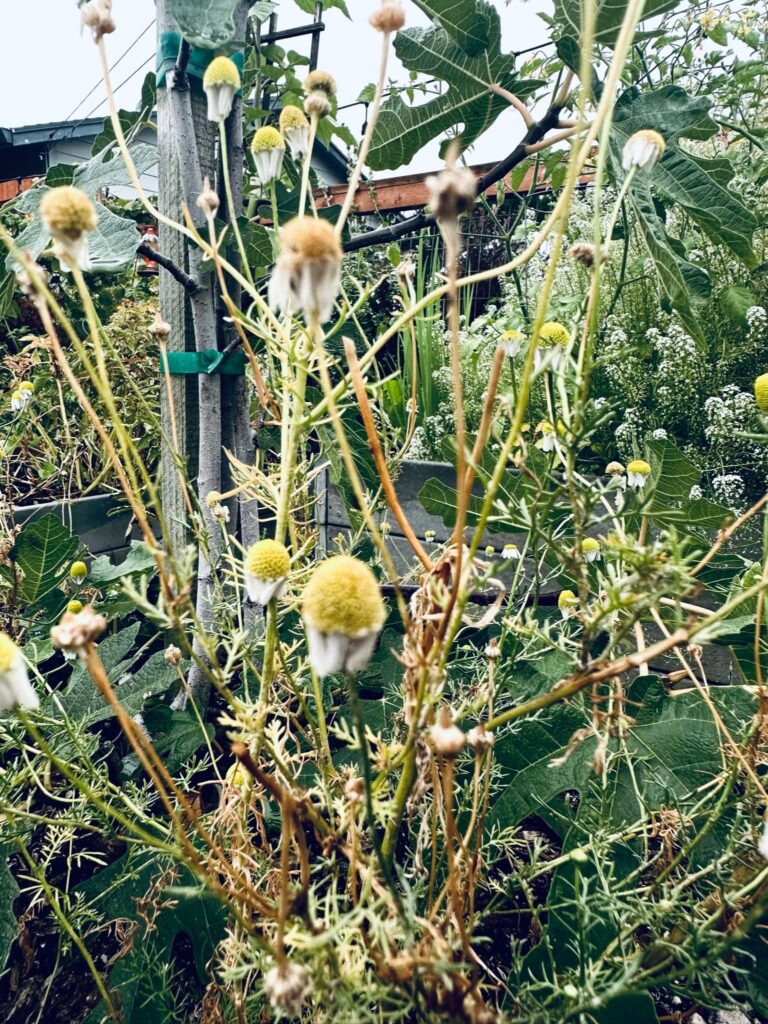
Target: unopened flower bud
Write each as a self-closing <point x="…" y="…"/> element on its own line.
<point x="172" y="655"/>
<point x="479" y="739"/>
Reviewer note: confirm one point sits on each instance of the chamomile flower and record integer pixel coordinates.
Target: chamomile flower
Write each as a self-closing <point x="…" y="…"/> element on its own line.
<point x="295" y="128"/>
<point x="15" y="687"/>
<point x="267" y="564"/>
<point x="638" y="472"/>
<point x="510" y="553"/>
<point x="567" y="602"/>
<point x="22" y="396"/>
<point x="268" y="151"/>
<point x="642" y="150"/>
<point x="307" y="274"/>
<point x="512" y="342"/>
<point x="553" y="341"/>
<point x="761" y="392"/>
<point x="69" y="215"/>
<point x="547" y="440"/>
<point x="590" y="549"/>
<point x="78" y="571"/>
<point x="343" y="614"/>
<point x="220" y="83"/>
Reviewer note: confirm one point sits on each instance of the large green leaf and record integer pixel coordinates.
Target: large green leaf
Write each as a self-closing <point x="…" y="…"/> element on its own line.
<point x="403" y="130"/>
<point x="699" y="186"/>
<point x="610" y="15"/>
<point x="43" y="550"/>
<point x="461" y="19"/>
<point x="112" y="246"/>
<point x="672" y="477"/>
<point x="206" y="23"/>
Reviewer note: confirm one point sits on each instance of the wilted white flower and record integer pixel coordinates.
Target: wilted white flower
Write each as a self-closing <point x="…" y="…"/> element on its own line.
<point x="445" y="736"/>
<point x="97" y="16"/>
<point x="15" y="687"/>
<point x="319" y="88"/>
<point x="510" y="552"/>
<point x="307" y="274"/>
<point x="511" y="342"/>
<point x="343" y="614"/>
<point x="547" y="440"/>
<point x="267" y="564"/>
<point x="268" y="151"/>
<point x="220" y="83"/>
<point x="76" y="631"/>
<point x="295" y="128"/>
<point x="642" y="150"/>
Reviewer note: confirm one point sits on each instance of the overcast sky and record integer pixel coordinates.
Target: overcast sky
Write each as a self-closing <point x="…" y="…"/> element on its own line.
<point x="66" y="68"/>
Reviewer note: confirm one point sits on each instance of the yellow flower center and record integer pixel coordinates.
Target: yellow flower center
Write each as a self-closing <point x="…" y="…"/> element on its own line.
<point x="292" y="117"/>
<point x="221" y="71"/>
<point x="343" y="596"/>
<point x="567" y="599"/>
<point x="268" y="560"/>
<point x="761" y="392"/>
<point x="589" y="545"/>
<point x="552" y="333"/>
<point x="78" y="570"/>
<point x="267" y="138"/>
<point x="639" y="466"/>
<point x="308" y="238"/>
<point x="67" y="212"/>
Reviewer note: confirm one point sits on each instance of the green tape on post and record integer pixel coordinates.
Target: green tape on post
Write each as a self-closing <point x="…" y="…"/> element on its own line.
<point x="231" y="364"/>
<point x="199" y="59"/>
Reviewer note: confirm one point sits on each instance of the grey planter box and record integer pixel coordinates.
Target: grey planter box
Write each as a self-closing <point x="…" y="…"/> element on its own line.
<point x="102" y="522"/>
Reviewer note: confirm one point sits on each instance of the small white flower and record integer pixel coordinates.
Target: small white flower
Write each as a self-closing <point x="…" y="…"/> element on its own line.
<point x="20" y="399"/>
<point x="510" y="552"/>
<point x="220" y="83"/>
<point x="15" y="687"/>
<point x="267" y="564"/>
<point x="511" y="342"/>
<point x="638" y="472"/>
<point x="590" y="549"/>
<point x="295" y="128"/>
<point x="546" y="442"/>
<point x="268" y="151"/>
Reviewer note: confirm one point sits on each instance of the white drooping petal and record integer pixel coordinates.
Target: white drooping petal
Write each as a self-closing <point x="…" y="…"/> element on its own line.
<point x="263" y="591"/>
<point x="546" y="443"/>
<point x="548" y="357"/>
<point x="73" y="252"/>
<point x="16" y="689"/>
<point x="637" y="480"/>
<point x="298" y="140"/>
<point x="360" y="650"/>
<point x="591" y="556"/>
<point x="316" y="288"/>
<point x="512" y="346"/>
<point x="269" y="164"/>
<point x="762" y="844"/>
<point x="327" y="651"/>
<point x="221" y="96"/>
<point x="281" y="289"/>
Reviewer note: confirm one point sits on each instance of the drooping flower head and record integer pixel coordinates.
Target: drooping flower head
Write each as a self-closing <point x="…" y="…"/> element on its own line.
<point x="511" y="553"/>
<point x="343" y="613"/>
<point x="319" y="89"/>
<point x="15" y="687"/>
<point x="267" y="564"/>
<point x="547" y="440"/>
<point x="642" y="150"/>
<point x="69" y="215"/>
<point x="268" y="150"/>
<point x="295" y="128"/>
<point x="567" y="602"/>
<point x="307" y="274"/>
<point x="553" y="341"/>
<point x="77" y="630"/>
<point x="512" y="342"/>
<point x="638" y="472"/>
<point x="390" y="17"/>
<point x="220" y="82"/>
<point x="590" y="549"/>
<point x="761" y="392"/>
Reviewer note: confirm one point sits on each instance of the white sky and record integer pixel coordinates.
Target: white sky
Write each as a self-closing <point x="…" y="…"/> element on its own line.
<point x="66" y="64"/>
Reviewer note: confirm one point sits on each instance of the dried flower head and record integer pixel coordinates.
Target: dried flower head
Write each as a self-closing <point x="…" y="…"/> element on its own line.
<point x="446" y="738"/>
<point x="761" y="392"/>
<point x="643" y="149"/>
<point x="319" y="88"/>
<point x="15" y="687"/>
<point x="172" y="655"/>
<point x="208" y="201"/>
<point x="615" y="469"/>
<point x="307" y="274"/>
<point x="343" y="614"/>
<point x="492" y="650"/>
<point x="267" y="564"/>
<point x="584" y="253"/>
<point x="390" y="17"/>
<point x="221" y="82"/>
<point x="354" y="789"/>
<point x="160" y="329"/>
<point x="479" y="739"/>
<point x="320" y="80"/>
<point x="97" y="16"/>
<point x="287" y="987"/>
<point x="76" y="631"/>
<point x="268" y="151"/>
<point x="69" y="215"/>
<point x="451" y="192"/>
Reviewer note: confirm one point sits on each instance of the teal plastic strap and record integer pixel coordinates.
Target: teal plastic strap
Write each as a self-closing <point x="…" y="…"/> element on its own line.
<point x="232" y="364"/>
<point x="199" y="59"/>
